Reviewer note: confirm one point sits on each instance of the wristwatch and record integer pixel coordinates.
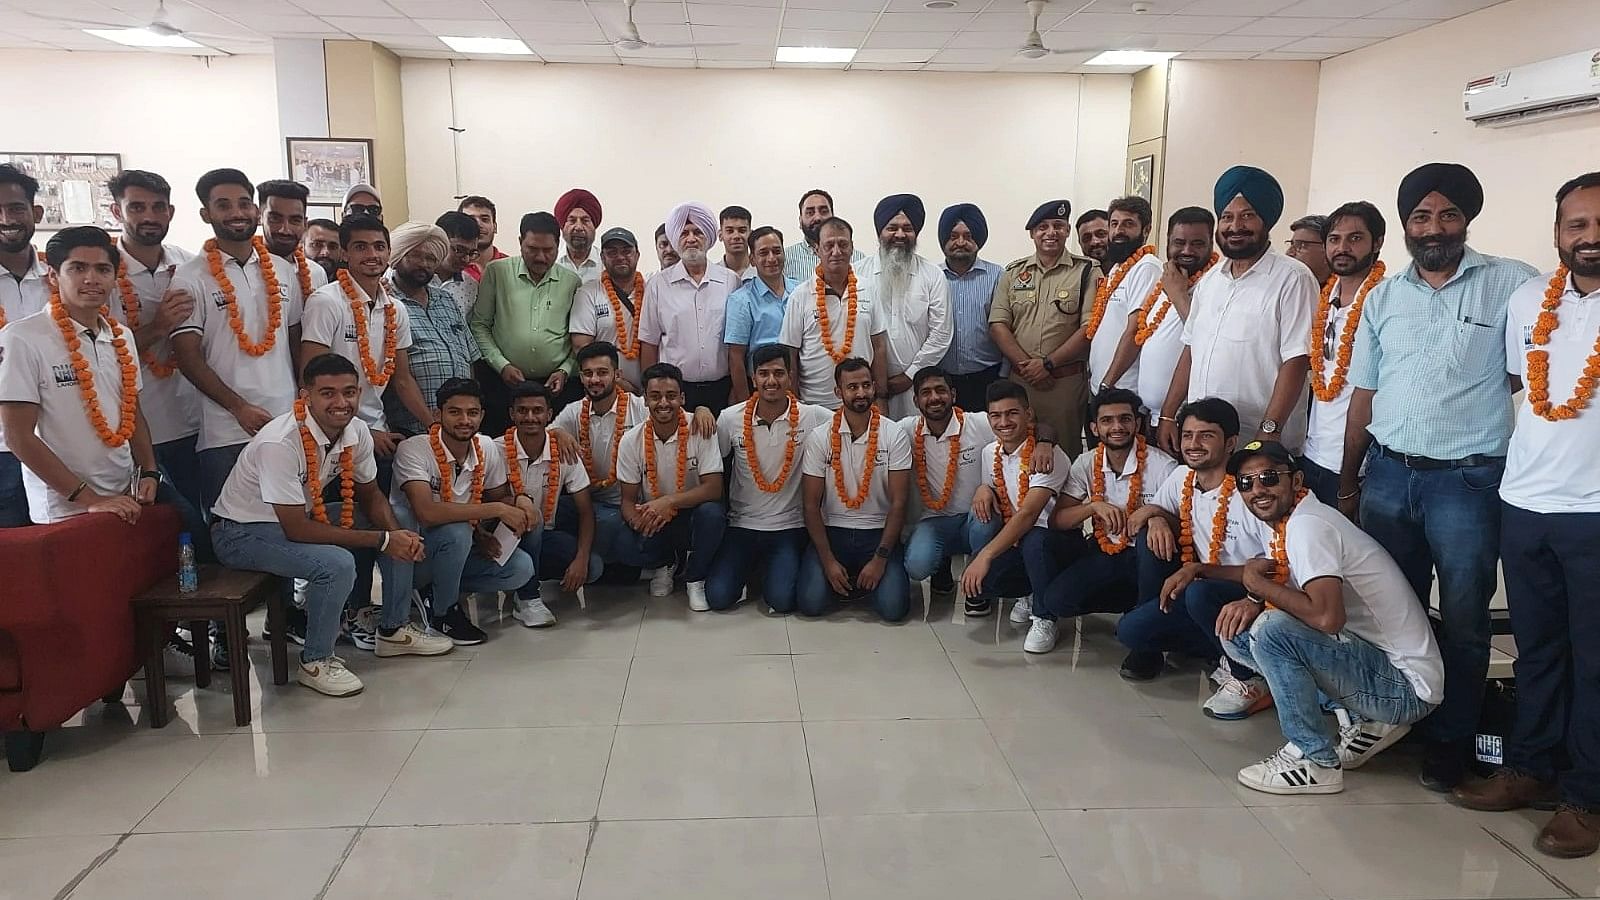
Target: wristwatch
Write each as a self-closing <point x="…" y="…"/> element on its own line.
<point x="1049" y="366"/>
<point x="881" y="553"/>
<point x="1269" y="426"/>
<point x="149" y="473"/>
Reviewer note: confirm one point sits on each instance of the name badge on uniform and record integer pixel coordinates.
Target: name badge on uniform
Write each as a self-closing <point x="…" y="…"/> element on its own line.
<point x="1024" y="281"/>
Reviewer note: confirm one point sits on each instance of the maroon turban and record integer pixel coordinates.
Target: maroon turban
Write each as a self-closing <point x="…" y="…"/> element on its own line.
<point x="577" y="198"/>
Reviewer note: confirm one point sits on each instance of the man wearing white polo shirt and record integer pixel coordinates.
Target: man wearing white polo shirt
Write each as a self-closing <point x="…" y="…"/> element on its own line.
<point x="848" y="305"/>
<point x="684" y="310"/>
<point x="598" y="422"/>
<point x="857" y="478"/>
<point x="284" y="225"/>
<point x="23" y="292"/>
<point x="608" y="309"/>
<point x="766" y="436"/>
<point x="1133" y="270"/>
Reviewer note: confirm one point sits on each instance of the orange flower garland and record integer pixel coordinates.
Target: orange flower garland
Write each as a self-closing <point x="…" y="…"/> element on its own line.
<point x="627" y="338"/>
<point x="446" y="491"/>
<point x="1108" y="286"/>
<point x="1219" y="522"/>
<point x="826" y="327"/>
<point x="1097" y="494"/>
<point x="347" y="475"/>
<point x="303" y="271"/>
<point x="1329" y="390"/>
<point x="1539" y="360"/>
<point x="919" y="461"/>
<point x="1146" y="327"/>
<point x="231" y="299"/>
<point x="869" y="460"/>
<point x="586" y="443"/>
<point x="651" y="474"/>
<point x="754" y="459"/>
<point x="1280" y="547"/>
<point x="1024" y="457"/>
<point x="130" y="315"/>
<point x="391" y="329"/>
<point x="552" y="475"/>
<point x="85" y="374"/>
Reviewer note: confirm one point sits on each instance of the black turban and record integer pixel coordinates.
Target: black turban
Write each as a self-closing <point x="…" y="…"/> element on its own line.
<point x="1055" y="209"/>
<point x="894" y="204"/>
<point x="1453" y="180"/>
<point x="968" y="213"/>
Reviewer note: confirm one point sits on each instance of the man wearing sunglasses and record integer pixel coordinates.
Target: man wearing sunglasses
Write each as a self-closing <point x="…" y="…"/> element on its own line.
<point x="1328" y="613"/>
<point x="363" y="200"/>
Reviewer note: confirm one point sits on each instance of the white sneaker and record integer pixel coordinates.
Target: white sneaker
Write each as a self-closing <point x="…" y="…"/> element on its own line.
<point x="409" y="640"/>
<point x="661" y="582"/>
<point x="1361" y="740"/>
<point x="177" y="658"/>
<point x="1237" y="699"/>
<point x="697" y="596"/>
<point x="1288" y="771"/>
<point x="1220" y="675"/>
<point x="1042" y="636"/>
<point x="329" y="676"/>
<point x="1022" y="611"/>
<point x="532" y="613"/>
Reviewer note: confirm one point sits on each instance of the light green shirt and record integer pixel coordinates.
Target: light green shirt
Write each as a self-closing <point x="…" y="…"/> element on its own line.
<point x="523" y="323"/>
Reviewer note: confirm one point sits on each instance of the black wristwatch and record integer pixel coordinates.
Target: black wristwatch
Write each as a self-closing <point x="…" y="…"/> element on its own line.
<point x="1049" y="366"/>
<point x="881" y="553"/>
<point x="149" y="473"/>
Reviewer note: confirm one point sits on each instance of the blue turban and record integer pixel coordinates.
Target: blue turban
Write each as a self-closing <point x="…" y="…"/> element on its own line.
<point x="894" y="204"/>
<point x="1258" y="188"/>
<point x="968" y="213"/>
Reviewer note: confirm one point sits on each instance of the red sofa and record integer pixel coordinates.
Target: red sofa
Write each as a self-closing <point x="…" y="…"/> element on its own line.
<point x="66" y="626"/>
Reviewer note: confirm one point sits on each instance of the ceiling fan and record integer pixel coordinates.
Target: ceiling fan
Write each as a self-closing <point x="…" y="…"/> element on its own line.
<point x="159" y="25"/>
<point x="1033" y="46"/>
<point x="629" y="38"/>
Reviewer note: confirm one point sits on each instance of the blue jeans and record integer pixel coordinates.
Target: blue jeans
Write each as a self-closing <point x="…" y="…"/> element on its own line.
<point x="451" y="566"/>
<point x="1552" y="564"/>
<point x="327" y="570"/>
<point x="854" y="548"/>
<point x="1444" y="520"/>
<point x="553" y="547"/>
<point x="13" y="496"/>
<point x="933" y="541"/>
<point x="612" y="537"/>
<point x="742" y="552"/>
<point x="1190" y="627"/>
<point x="1100" y="583"/>
<point x="1047" y="555"/>
<point x="1008" y="574"/>
<point x="215" y="466"/>
<point x="1301" y="663"/>
<point x="695" y="534"/>
<point x="1323" y="484"/>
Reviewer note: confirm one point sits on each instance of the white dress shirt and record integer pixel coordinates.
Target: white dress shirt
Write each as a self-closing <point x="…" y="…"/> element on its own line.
<point x="802" y="330"/>
<point x="588" y="271"/>
<point x="329" y="321"/>
<point x="893" y="455"/>
<point x="272" y="469"/>
<point x="1325" y="430"/>
<point x="1131" y="291"/>
<point x="918" y="320"/>
<point x="966" y="436"/>
<point x="684" y="319"/>
<point x="749" y="506"/>
<point x="171" y="404"/>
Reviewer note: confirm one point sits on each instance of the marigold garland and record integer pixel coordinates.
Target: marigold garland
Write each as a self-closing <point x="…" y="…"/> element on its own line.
<point x="1329" y="390"/>
<point x="1097" y="494"/>
<point x="651" y="474"/>
<point x="391" y="330"/>
<point x="1539" y="360"/>
<point x="85" y="374"/>
<point x="1108" y="286"/>
<point x="1146" y="327"/>
<point x="627" y="338"/>
<point x="826" y="327"/>
<point x="552" y="474"/>
<point x="919" y="461"/>
<point x="130" y="315"/>
<point x="586" y="442"/>
<point x="1002" y="490"/>
<point x="274" y="297"/>
<point x="1280" y="545"/>
<point x="869" y="460"/>
<point x="303" y="272"/>
<point x="1219" y="521"/>
<point x="446" y="489"/>
<point x="347" y="475"/>
<point x="753" y="459"/>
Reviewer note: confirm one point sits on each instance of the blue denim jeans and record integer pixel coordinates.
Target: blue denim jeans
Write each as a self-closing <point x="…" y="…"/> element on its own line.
<point x="553" y="548"/>
<point x="1323" y="484"/>
<point x="1301" y="664"/>
<point x="612" y="537"/>
<point x="1189" y="627"/>
<point x="1445" y="521"/>
<point x="854" y="548"/>
<point x="933" y="541"/>
<point x="1096" y="582"/>
<point x="451" y="566"/>
<point x="742" y="553"/>
<point x="1552" y="564"/>
<point x="13" y="496"/>
<point x="1008" y="574"/>
<point x="1047" y="554"/>
<point x="215" y="466"/>
<point x="328" y="571"/>
<point x="180" y="486"/>
<point x="694" y="534"/>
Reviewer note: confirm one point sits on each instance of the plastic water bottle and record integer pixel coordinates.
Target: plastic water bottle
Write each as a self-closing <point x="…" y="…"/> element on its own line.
<point x="188" y="575"/>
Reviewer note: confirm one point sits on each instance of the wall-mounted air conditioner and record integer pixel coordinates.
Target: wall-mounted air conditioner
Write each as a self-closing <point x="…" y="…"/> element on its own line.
<point x="1563" y="86"/>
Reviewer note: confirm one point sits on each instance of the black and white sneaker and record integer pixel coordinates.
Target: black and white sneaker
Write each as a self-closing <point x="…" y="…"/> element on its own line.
<point x="979" y="607"/>
<point x="1289" y="771"/>
<point x="294" y="626"/>
<point x="455" y="625"/>
<point x="362" y="628"/>
<point x="1360" y="740"/>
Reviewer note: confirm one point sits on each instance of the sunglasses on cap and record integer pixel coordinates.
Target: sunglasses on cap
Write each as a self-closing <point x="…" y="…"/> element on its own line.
<point x="1268" y="478"/>
<point x="364" y="209"/>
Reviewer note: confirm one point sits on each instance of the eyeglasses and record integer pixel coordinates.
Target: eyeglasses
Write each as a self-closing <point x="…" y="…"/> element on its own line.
<point x="1269" y="478"/>
<point x="465" y="252"/>
<point x="364" y="209"/>
<point x="1298" y="246"/>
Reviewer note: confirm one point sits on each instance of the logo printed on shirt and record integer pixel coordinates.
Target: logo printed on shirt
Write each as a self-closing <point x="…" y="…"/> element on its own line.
<point x="1527" y="337"/>
<point x="219" y="300"/>
<point x="350" y="334"/>
<point x="64" y="374"/>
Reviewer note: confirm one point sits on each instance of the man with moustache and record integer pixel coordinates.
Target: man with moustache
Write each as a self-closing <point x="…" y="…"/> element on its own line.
<point x="462" y="231"/>
<point x="1429" y="422"/>
<point x="599" y="421"/>
<point x="973" y="361"/>
<point x="481" y="209"/>
<point x="1246" y="341"/>
<point x="1131" y="270"/>
<point x="755" y="311"/>
<point x="1308" y="243"/>
<point x="914" y="297"/>
<point x="578" y="211"/>
<point x="800" y="259"/>
<point x="321" y="245"/>
<point x="442" y="346"/>
<point x="283" y="224"/>
<point x="734" y="225"/>
<point x="1353" y="235"/>
<point x="608" y="310"/>
<point x="666" y="256"/>
<point x="834" y="296"/>
<point x="23" y="292"/>
<point x="1094" y="234"/>
<point x="684" y="310"/>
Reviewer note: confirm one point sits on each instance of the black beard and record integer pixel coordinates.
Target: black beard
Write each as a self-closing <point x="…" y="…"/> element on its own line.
<point x="1436" y="254"/>
<point x="17" y="246"/>
<point x="410" y="282"/>
<point x="1569" y="258"/>
<point x="225" y="233"/>
<point x="133" y="235"/>
<point x="812" y="233"/>
<point x="579" y="243"/>
<point x="1118" y="251"/>
<point x="1362" y="265"/>
<point x="1248" y="251"/>
<point x="960" y="258"/>
<point x="1192" y="267"/>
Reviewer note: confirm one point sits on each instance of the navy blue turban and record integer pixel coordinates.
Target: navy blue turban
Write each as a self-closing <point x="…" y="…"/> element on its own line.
<point x="1258" y="188"/>
<point x="894" y="204"/>
<point x="968" y="213"/>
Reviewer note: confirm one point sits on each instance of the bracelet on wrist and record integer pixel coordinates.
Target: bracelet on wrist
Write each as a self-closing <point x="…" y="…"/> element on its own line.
<point x="82" y="485"/>
<point x="383" y="541"/>
<point x="1350" y="496"/>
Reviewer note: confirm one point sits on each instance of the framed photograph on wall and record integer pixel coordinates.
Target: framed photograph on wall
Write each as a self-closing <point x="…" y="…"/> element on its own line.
<point x="1142" y="177"/>
<point x="72" y="186"/>
<point x="330" y="166"/>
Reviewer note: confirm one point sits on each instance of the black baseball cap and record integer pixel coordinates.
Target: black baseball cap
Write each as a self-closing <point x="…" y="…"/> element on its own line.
<point x="1270" y="449"/>
<point x="619" y="234"/>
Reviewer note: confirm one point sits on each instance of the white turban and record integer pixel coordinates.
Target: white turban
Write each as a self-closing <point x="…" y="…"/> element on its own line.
<point x="683" y="214"/>
<point x="412" y="235"/>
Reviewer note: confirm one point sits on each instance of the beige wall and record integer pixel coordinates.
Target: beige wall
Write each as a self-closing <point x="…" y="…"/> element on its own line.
<point x="760" y="138"/>
<point x="1389" y="108"/>
<point x="364" y="101"/>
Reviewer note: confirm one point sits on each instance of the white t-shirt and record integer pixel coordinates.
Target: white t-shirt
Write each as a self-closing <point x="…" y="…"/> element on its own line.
<point x="22" y="297"/>
<point x="268" y="381"/>
<point x="329" y="321"/>
<point x="536" y="473"/>
<point x="702" y="459"/>
<point x="1247" y="537"/>
<point x="749" y="506"/>
<point x="893" y="455"/>
<point x="602" y="432"/>
<point x="272" y="469"/>
<point x="1325" y="432"/>
<point x="1379" y="605"/>
<point x="414" y="461"/>
<point x="1140" y="278"/>
<point x="1158" y="467"/>
<point x="1054" y="481"/>
<point x="1158" y="355"/>
<point x="1241" y="330"/>
<point x="35" y="368"/>
<point x="802" y="330"/>
<point x="966" y="436"/>
<point x="171" y="404"/>
<point x="1550" y="466"/>
<point x="592" y="315"/>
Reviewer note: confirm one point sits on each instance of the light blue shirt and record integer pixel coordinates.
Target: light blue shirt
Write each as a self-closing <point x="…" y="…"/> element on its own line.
<point x="755" y="314"/>
<point x="1437" y="359"/>
<point x="971" y="347"/>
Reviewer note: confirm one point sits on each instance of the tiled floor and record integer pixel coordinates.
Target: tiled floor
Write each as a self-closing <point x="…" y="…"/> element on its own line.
<point x="638" y="752"/>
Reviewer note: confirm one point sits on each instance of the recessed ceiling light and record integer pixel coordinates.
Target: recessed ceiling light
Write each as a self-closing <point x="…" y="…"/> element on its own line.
<point x="939" y="4"/>
<point x="1130" y="58"/>
<point x="499" y="46"/>
<point x="816" y="54"/>
<point x="141" y="37"/>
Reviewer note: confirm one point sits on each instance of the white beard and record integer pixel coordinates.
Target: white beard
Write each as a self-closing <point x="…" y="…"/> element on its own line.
<point x="693" y="257"/>
<point x="898" y="265"/>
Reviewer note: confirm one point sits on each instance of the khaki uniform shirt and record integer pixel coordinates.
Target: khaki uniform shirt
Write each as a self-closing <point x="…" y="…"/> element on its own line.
<point x="1043" y="307"/>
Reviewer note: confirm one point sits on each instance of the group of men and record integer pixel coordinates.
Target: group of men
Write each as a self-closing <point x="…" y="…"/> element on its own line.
<point x="321" y="397"/>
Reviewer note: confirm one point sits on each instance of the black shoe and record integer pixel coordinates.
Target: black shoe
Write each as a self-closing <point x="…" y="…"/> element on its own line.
<point x="1444" y="766"/>
<point x="944" y="581"/>
<point x="455" y="625"/>
<point x="1142" y="665"/>
<point x="294" y="626"/>
<point x="978" y="607"/>
<point x="219" y="655"/>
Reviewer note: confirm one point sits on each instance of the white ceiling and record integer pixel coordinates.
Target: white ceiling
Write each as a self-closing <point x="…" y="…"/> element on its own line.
<point x="900" y="35"/>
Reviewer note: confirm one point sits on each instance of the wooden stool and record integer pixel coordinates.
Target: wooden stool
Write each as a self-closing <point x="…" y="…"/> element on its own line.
<point x="225" y="594"/>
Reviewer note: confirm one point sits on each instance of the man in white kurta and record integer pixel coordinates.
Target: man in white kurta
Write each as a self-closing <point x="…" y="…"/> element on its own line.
<point x="914" y="296"/>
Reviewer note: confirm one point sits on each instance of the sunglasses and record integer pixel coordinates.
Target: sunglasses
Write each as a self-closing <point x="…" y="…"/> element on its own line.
<point x="1269" y="478"/>
<point x="364" y="209"/>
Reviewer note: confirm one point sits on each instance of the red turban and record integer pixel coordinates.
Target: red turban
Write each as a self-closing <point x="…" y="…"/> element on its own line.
<point x="577" y="198"/>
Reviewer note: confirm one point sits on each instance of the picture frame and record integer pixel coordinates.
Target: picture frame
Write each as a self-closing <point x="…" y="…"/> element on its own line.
<point x="1142" y="176"/>
<point x="72" y="186"/>
<point x="329" y="167"/>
